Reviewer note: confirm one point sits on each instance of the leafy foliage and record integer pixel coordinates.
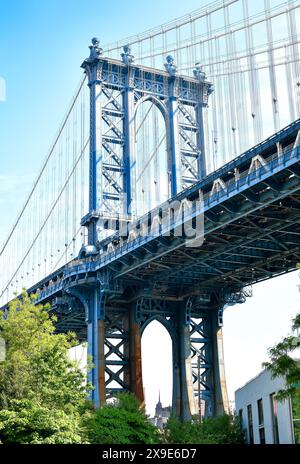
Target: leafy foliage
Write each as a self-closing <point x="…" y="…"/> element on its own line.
<point x="282" y="364"/>
<point x="216" y="430"/>
<point x="123" y="422"/>
<point x="29" y="422"/>
<point x="41" y="390"/>
<point x="43" y="394"/>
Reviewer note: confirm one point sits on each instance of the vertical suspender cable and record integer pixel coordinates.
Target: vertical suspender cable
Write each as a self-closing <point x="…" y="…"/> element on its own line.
<point x="219" y="137"/>
<point x="253" y="78"/>
<point x="212" y="163"/>
<point x="295" y="65"/>
<point x="271" y="67"/>
<point x="232" y="123"/>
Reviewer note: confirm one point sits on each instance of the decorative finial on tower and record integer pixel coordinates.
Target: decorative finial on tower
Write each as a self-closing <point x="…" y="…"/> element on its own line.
<point x="95" y="50"/>
<point x="171" y="68"/>
<point x="127" y="57"/>
<point x="199" y="73"/>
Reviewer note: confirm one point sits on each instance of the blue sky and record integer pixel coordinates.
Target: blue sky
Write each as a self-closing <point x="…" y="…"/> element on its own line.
<point x="42" y="44"/>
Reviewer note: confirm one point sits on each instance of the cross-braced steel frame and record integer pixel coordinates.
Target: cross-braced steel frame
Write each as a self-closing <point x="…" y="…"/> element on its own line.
<point x="116" y="287"/>
<point x="117" y="90"/>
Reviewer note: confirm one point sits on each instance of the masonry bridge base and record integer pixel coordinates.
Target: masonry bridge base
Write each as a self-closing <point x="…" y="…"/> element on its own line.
<point x="114" y="331"/>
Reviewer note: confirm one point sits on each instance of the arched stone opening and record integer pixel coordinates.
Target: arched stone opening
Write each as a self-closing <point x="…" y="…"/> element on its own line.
<point x="152" y="166"/>
<point x="157" y="365"/>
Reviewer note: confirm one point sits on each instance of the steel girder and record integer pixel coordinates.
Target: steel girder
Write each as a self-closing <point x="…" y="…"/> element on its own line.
<point x="114" y="344"/>
<point x="259" y="240"/>
<point x="251" y="233"/>
<point x="117" y="88"/>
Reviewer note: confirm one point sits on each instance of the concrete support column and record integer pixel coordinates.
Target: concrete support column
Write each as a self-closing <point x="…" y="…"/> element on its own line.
<point x="176" y="397"/>
<point x="133" y="353"/>
<point x="220" y="397"/>
<point x="216" y="398"/>
<point x="136" y="377"/>
<point x="187" y="402"/>
<point x="96" y="335"/>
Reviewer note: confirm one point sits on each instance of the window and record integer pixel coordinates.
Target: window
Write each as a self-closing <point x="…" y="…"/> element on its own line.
<point x="250" y="423"/>
<point x="261" y="428"/>
<point x="260" y="412"/>
<point x="241" y="417"/>
<point x="274" y="409"/>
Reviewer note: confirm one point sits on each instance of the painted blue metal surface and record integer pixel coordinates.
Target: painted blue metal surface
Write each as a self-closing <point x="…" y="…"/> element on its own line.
<point x="250" y="210"/>
<point x="246" y="187"/>
<point x="117" y="89"/>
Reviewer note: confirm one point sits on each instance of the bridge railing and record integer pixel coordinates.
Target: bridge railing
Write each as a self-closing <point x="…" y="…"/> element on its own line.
<point x="78" y="267"/>
<point x="232" y="186"/>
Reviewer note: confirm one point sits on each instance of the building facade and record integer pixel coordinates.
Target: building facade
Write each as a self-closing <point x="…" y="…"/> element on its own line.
<point x="266" y="420"/>
<point x="161" y="416"/>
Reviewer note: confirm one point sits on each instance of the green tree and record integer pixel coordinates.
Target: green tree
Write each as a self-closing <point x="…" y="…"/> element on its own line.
<point x="29" y="422"/>
<point x="283" y="364"/>
<point x="215" y="430"/>
<point x="37" y="378"/>
<point x="123" y="422"/>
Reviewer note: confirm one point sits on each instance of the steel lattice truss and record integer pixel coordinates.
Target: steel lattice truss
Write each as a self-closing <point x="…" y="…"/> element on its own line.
<point x="251" y="218"/>
<point x="116" y="356"/>
<point x="111" y="157"/>
<point x="202" y="362"/>
<point x="249" y="208"/>
<point x="251" y="230"/>
<point x="188" y="130"/>
<point x="249" y="50"/>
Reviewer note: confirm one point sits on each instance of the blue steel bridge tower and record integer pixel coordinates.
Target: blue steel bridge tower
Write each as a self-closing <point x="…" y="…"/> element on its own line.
<point x="124" y="278"/>
<point x="147" y="152"/>
<point x="118" y="309"/>
<point x="117" y="90"/>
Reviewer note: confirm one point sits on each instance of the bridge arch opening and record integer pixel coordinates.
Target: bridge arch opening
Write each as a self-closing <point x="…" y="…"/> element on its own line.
<point x="152" y="176"/>
<point x="157" y="362"/>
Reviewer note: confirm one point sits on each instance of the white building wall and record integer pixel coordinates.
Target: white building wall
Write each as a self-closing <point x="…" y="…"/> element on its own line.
<point x="261" y="387"/>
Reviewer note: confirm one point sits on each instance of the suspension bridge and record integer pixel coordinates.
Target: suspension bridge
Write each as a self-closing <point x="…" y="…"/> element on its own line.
<point x="173" y="185"/>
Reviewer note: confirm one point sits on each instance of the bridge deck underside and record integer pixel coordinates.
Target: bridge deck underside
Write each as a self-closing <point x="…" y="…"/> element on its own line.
<point x="251" y="233"/>
<point x="237" y="251"/>
<point x="258" y="246"/>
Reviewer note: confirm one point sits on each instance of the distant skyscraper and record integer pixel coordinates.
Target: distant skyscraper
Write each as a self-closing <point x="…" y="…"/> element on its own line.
<point x="162" y="414"/>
